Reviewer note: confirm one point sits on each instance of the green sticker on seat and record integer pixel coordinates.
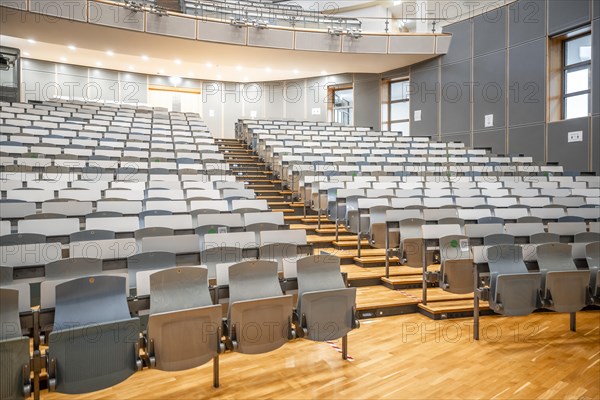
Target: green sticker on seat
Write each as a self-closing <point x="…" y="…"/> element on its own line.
<point x="212" y="230"/>
<point x="453" y="243"/>
<point x="354" y="174"/>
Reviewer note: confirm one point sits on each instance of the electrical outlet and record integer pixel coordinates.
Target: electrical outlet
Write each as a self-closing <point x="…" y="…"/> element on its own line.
<point x="576" y="136"/>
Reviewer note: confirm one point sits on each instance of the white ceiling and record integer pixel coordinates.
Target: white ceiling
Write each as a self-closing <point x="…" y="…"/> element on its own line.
<point x="49" y="39"/>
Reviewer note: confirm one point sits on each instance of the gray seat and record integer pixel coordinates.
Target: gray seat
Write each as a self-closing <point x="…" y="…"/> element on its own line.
<point x="564" y="288"/>
<point x="326" y="308"/>
<point x="490" y="220"/>
<point x="278" y="252"/>
<point x="456" y="264"/>
<point x="583" y="237"/>
<point x="148" y="261"/>
<point x="411" y="242"/>
<point x="180" y="303"/>
<point x="104" y="214"/>
<point x="153" y="232"/>
<point x="544" y="237"/>
<point x="16" y="239"/>
<point x="451" y="220"/>
<point x="14" y="349"/>
<point x="513" y="289"/>
<point x="498" y="238"/>
<point x="256" y="303"/>
<point x="73" y="268"/>
<point x="6" y="275"/>
<point x="96" y="306"/>
<point x="529" y="220"/>
<point x="225" y="248"/>
<point x="45" y="216"/>
<point x="91" y="234"/>
<point x="592" y="254"/>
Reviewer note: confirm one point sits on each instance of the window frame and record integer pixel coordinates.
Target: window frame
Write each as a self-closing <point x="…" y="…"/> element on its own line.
<point x="333" y="109"/>
<point x="390" y="102"/>
<point x="571" y="68"/>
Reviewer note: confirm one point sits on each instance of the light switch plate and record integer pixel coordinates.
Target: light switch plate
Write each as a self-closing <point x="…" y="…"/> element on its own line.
<point x="316" y="111"/>
<point x="417" y="116"/>
<point x="576" y="136"/>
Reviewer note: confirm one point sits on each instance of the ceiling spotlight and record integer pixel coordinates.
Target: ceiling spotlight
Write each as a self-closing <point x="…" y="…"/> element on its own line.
<point x="335" y="31"/>
<point x="99" y="63"/>
<point x="323" y="72"/>
<point x="31" y="41"/>
<point x="161" y="71"/>
<point x="239" y="67"/>
<point x="219" y="76"/>
<point x="295" y="71"/>
<point x="131" y="68"/>
<point x="268" y="69"/>
<point x="145" y="58"/>
<point x="239" y="22"/>
<point x="110" y="53"/>
<point x="63" y="59"/>
<point x="72" y="48"/>
<point x="192" y="74"/>
<point x="26" y="54"/>
<point x="354" y="33"/>
<point x="209" y="65"/>
<point x="178" y="61"/>
<point x="246" y="79"/>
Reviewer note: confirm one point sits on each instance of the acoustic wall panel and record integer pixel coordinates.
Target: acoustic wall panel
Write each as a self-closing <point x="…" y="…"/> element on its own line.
<point x="219" y="32"/>
<point x="527" y="83"/>
<point x="489" y="91"/>
<point x="279" y="39"/>
<point x="526" y="21"/>
<point x="596" y="66"/>
<point x="596" y="144"/>
<point x="564" y="15"/>
<point x="408" y="44"/>
<point x="103" y="85"/>
<point x="572" y="155"/>
<point x="315" y="41"/>
<point x="455" y="98"/>
<point x="489" y="31"/>
<point x="424" y="102"/>
<point x="69" y="9"/>
<point x="115" y="16"/>
<point x="365" y="44"/>
<point x="528" y="140"/>
<point x="171" y="26"/>
<point x="442" y="44"/>
<point x="39" y="80"/>
<point x="460" y="46"/>
<point x="494" y="139"/>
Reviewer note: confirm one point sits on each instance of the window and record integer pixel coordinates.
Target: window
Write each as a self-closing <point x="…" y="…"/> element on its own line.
<point x="395" y="114"/>
<point x="343" y="105"/>
<point x="576" y="77"/>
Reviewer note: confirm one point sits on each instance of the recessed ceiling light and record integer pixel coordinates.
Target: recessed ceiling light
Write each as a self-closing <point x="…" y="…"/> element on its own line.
<point x="32" y="41"/>
<point x="110" y="53"/>
<point x="145" y="58"/>
<point x="161" y="71"/>
<point x="72" y="48"/>
<point x="99" y="63"/>
<point x="192" y="74"/>
<point x="63" y="59"/>
<point x="26" y="54"/>
<point x="323" y="72"/>
<point x="246" y="79"/>
<point x="295" y="72"/>
<point x="131" y="67"/>
<point x="268" y="69"/>
<point x="239" y="67"/>
<point x="177" y="61"/>
<point x="219" y="76"/>
<point x="208" y="65"/>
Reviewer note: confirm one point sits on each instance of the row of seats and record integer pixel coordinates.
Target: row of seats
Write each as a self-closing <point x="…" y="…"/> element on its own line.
<point x="261" y="318"/>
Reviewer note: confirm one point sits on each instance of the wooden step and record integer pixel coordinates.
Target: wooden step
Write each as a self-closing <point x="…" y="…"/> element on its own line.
<point x="329" y="231"/>
<point x="366" y="260"/>
<point x="393" y="282"/>
<point x="454" y="306"/>
<point x="380" y="297"/>
<point x="436" y="294"/>
<point x="349" y="243"/>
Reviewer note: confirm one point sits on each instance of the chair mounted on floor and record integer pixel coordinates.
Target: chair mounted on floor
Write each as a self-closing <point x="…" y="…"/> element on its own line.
<point x="592" y="254"/>
<point x="260" y="316"/>
<point x="95" y="342"/>
<point x="513" y="289"/>
<point x="326" y="308"/>
<point x="15" y="382"/>
<point x="184" y="327"/>
<point x="456" y="264"/>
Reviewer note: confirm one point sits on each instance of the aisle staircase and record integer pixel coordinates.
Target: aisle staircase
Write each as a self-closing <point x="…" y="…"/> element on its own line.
<point x="377" y="296"/>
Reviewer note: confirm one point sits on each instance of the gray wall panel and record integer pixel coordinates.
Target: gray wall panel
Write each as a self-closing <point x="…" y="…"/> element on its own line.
<point x="496" y="139"/>
<point x="39" y="80"/>
<point x="219" y="32"/>
<point x="171" y="26"/>
<point x="460" y="46"/>
<point x="318" y="41"/>
<point x="134" y="88"/>
<point x="365" y="44"/>
<point x="424" y="98"/>
<point x="294" y="97"/>
<point x="596" y="144"/>
<point x="464" y="137"/>
<point x="103" y="85"/>
<point x="116" y="16"/>
<point x="564" y="15"/>
<point x="212" y="107"/>
<point x="489" y="32"/>
<point x="596" y="66"/>
<point x="367" y="91"/>
<point x="595" y="9"/>
<point x="489" y="90"/>
<point x="273" y="99"/>
<point x="271" y="38"/>
<point x="232" y="107"/>
<point x="70" y="9"/>
<point x="72" y="80"/>
<point x="569" y="155"/>
<point x="412" y="44"/>
<point x="455" y="98"/>
<point x="527" y="21"/>
<point x="528" y="140"/>
<point x="18" y="4"/>
<point x="527" y="83"/>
